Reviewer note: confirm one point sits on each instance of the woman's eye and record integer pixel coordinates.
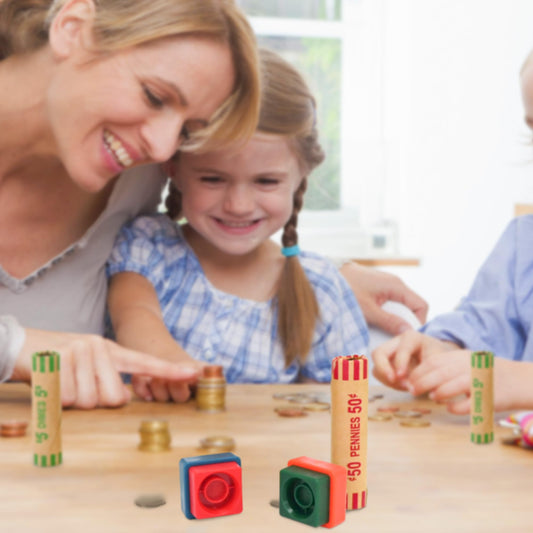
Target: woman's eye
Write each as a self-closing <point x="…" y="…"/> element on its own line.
<point x="211" y="179"/>
<point x="153" y="100"/>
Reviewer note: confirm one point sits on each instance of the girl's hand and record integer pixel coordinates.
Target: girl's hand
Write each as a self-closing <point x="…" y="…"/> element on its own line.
<point x="164" y="390"/>
<point x="446" y="376"/>
<point x="91" y="366"/>
<point x="396" y="359"/>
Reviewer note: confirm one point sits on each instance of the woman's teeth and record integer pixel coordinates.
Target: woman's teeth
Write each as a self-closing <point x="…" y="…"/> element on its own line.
<point x="117" y="150"/>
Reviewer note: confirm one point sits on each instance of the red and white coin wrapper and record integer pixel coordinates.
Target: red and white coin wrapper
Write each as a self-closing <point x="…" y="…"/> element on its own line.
<point x="349" y="424"/>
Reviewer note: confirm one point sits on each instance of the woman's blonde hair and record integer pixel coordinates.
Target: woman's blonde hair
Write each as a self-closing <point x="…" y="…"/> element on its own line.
<point x="119" y="24"/>
<point x="288" y="109"/>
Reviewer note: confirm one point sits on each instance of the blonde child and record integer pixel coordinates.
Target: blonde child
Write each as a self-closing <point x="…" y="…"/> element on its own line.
<point x="218" y="289"/>
<point x="496" y="315"/>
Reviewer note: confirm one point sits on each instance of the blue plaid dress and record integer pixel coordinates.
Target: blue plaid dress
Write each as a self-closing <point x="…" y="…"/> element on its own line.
<point x="223" y="329"/>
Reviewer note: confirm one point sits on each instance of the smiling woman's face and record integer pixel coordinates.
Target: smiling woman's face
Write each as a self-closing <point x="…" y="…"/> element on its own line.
<point x="133" y="107"/>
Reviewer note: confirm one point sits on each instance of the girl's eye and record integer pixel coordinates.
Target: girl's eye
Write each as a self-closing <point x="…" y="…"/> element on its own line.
<point x="267" y="181"/>
<point x="211" y="179"/>
<point x="153" y="100"/>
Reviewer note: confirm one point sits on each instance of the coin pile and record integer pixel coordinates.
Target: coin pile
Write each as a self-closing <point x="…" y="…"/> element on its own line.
<point x="155" y="436"/>
<point x="211" y="390"/>
<point x="409" y="417"/>
<point x="13" y="428"/>
<point x="217" y="444"/>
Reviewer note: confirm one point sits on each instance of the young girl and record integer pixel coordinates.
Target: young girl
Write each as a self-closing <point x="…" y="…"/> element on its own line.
<point x="217" y="288"/>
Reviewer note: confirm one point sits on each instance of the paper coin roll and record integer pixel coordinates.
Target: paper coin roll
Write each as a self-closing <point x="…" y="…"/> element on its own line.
<point x="349" y="422"/>
<point x="482" y="398"/>
<point x="46" y="409"/>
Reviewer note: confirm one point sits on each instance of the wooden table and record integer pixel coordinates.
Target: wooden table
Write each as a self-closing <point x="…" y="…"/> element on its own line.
<point x="419" y="479"/>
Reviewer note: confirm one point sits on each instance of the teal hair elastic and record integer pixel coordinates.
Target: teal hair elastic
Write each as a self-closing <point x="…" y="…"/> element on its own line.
<point x="289" y="251"/>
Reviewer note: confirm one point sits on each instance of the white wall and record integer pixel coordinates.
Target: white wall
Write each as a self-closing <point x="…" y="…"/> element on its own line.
<point x="452" y="141"/>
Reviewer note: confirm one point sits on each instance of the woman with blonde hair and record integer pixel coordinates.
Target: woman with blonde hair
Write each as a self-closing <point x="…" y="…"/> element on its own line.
<point x="93" y="91"/>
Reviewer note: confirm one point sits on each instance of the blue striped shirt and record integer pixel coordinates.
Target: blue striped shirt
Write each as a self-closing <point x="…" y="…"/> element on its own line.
<point x="220" y="328"/>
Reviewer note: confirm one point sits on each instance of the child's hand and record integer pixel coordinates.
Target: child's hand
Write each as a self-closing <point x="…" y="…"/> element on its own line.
<point x="395" y="359"/>
<point x="164" y="390"/>
<point x="447" y="375"/>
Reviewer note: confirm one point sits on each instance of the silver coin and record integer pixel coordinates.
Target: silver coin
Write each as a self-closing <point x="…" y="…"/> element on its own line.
<point x="274" y="503"/>
<point x="150" y="500"/>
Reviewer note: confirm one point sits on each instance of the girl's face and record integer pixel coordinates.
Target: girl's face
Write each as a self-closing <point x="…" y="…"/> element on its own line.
<point x="133" y="107"/>
<point x="237" y="198"/>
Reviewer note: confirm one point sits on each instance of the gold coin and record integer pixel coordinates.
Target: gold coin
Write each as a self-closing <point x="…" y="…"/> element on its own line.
<point x="153" y="426"/>
<point x="415" y="422"/>
<point x="317" y="406"/>
<point x="380" y="417"/>
<point x="407" y="414"/>
<point x="217" y="441"/>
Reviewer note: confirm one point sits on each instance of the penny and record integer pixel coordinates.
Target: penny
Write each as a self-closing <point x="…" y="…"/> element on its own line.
<point x="388" y="409"/>
<point x="415" y="422"/>
<point x="150" y="500"/>
<point x="13" y="428"/>
<point x="290" y="412"/>
<point x="407" y="414"/>
<point x="380" y="417"/>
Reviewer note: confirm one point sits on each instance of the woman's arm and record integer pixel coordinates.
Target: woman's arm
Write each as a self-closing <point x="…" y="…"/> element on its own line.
<point x="91" y="366"/>
<point x="373" y="288"/>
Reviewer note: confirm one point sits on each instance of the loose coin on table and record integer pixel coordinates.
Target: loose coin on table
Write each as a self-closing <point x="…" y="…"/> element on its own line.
<point x="13" y="428"/>
<point x="407" y="414"/>
<point x="389" y="409"/>
<point x="150" y="500"/>
<point x="380" y="417"/>
<point x="290" y="412"/>
<point x="415" y="422"/>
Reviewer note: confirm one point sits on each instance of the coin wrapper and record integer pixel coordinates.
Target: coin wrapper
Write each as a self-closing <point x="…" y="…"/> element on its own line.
<point x="46" y="409"/>
<point x="349" y="422"/>
<point x="482" y="398"/>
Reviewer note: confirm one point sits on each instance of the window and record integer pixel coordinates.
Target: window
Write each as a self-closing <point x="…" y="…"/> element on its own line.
<point x="327" y="40"/>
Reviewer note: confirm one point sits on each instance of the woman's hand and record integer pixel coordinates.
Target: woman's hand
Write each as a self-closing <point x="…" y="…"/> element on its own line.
<point x="91" y="366"/>
<point x="373" y="288"/>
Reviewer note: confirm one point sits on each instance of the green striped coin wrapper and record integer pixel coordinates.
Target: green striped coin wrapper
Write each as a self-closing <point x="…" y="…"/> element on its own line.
<point x="482" y="398"/>
<point x="46" y="409"/>
<point x="349" y="422"/>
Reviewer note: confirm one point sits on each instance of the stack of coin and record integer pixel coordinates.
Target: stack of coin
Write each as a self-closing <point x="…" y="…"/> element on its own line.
<point x="155" y="436"/>
<point x="13" y="428"/>
<point x="211" y="390"/>
<point x="217" y="444"/>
